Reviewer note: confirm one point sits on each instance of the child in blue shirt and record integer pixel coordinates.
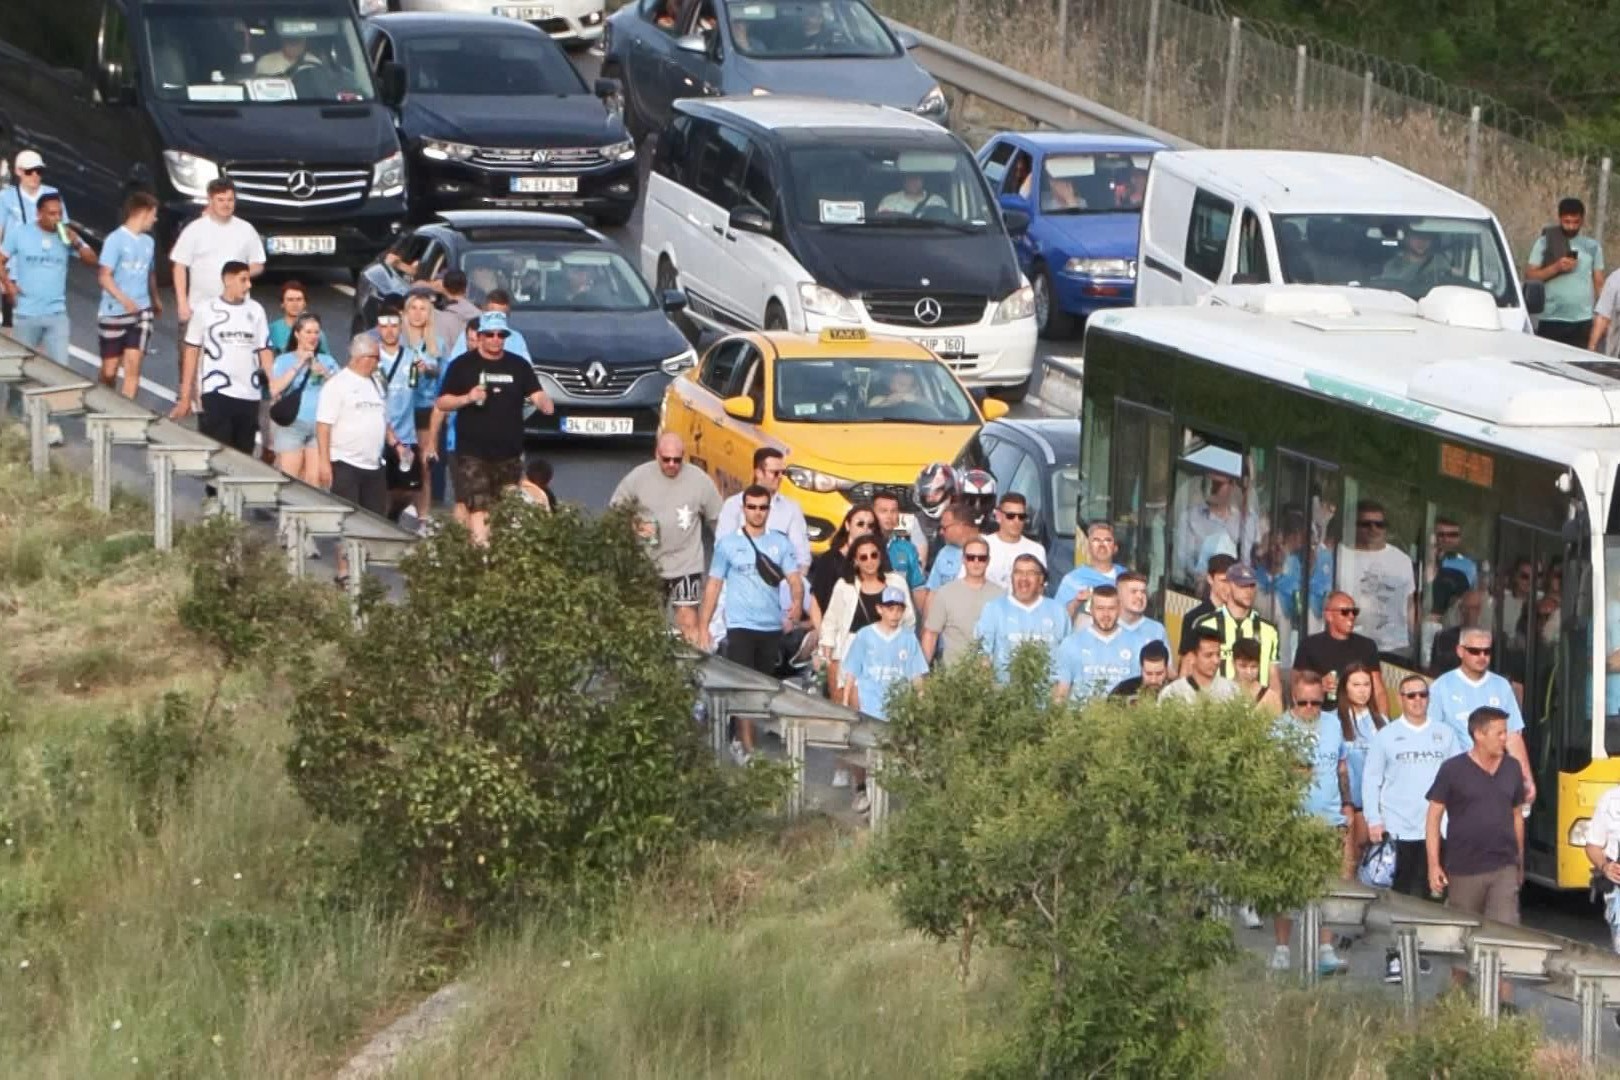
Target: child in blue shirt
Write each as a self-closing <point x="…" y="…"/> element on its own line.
<point x="129" y="294"/>
<point x="883" y="655"/>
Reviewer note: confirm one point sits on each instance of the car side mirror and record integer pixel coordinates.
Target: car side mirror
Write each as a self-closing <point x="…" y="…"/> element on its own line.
<point x="693" y="43"/>
<point x="1535" y="297"/>
<point x="994" y="408"/>
<point x="114" y="85"/>
<point x="740" y="407"/>
<point x="673" y="300"/>
<point x="1017" y="221"/>
<point x="391" y="83"/>
<point x="750" y="219"/>
<point x="606" y="88"/>
<point x="907" y="41"/>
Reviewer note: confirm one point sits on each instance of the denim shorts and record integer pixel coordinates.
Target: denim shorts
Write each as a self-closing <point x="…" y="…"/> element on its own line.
<point x="299" y="435"/>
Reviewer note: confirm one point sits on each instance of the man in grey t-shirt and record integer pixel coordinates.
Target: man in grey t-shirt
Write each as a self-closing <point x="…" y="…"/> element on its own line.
<point x="954" y="609"/>
<point x="675" y="499"/>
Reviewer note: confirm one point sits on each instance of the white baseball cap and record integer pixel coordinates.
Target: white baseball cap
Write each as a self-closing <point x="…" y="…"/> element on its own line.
<point x="29" y="159"/>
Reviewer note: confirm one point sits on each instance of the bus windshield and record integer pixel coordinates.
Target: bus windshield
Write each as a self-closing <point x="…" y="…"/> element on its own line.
<point x="1408" y="255"/>
<point x="252" y="53"/>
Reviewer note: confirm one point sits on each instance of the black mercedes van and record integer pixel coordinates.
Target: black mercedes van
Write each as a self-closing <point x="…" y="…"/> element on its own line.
<point x="165" y="95"/>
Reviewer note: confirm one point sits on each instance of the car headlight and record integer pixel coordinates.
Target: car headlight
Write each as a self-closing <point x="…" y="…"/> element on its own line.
<point x="189" y="174"/>
<point x="1578" y="832"/>
<point x="619" y="151"/>
<point x="371" y="7"/>
<point x="1018" y="304"/>
<point x="388" y="176"/>
<point x="1115" y="268"/>
<point x="759" y="91"/>
<point x="820" y="300"/>
<point x="678" y="363"/>
<point x="933" y="105"/>
<point x="810" y="480"/>
<point x="444" y="150"/>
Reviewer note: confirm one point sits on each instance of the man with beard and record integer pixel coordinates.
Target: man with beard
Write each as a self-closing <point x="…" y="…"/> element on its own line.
<point x="1571" y="266"/>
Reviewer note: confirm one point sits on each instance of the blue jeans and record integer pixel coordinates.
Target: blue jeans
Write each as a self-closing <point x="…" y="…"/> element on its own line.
<point x="44" y="333"/>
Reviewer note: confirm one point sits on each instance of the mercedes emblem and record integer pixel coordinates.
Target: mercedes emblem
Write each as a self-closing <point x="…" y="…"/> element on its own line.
<point x="301" y="184"/>
<point x="596" y="374"/>
<point x="927" y="311"/>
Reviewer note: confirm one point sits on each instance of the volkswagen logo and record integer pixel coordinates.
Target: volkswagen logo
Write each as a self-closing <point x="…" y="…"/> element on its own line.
<point x="927" y="311"/>
<point x="596" y="374"/>
<point x="539" y="157"/>
<point x="301" y="184"/>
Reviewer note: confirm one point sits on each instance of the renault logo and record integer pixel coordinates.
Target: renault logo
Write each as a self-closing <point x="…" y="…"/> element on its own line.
<point x="927" y="311"/>
<point x="301" y="184"/>
<point x="596" y="374"/>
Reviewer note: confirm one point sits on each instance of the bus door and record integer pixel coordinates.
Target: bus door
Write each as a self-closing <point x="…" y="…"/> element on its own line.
<point x="1528" y="600"/>
<point x="1295" y="563"/>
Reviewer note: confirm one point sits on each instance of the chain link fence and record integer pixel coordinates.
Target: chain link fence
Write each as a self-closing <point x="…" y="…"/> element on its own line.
<point x="1192" y="69"/>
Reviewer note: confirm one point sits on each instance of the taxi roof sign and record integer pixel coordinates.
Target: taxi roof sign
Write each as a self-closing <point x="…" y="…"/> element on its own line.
<point x="835" y="334"/>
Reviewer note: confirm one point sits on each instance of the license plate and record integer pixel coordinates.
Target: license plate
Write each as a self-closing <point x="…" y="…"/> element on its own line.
<point x="598" y="425"/>
<point x="527" y="12"/>
<point x="942" y="345"/>
<point x="301" y="245"/>
<point x="545" y="185"/>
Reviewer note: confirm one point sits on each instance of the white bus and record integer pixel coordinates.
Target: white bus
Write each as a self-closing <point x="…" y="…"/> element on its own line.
<point x="1271" y="422"/>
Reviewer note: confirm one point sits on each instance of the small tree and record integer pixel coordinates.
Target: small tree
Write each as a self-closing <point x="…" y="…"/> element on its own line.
<point x="1093" y="842"/>
<point x="521" y="723"/>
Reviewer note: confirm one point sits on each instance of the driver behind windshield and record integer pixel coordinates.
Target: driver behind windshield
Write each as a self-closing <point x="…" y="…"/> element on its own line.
<point x="912" y="196"/>
<point x="901" y="388"/>
<point x="294" y="52"/>
<point x="584" y="288"/>
<point x="1130" y="194"/>
<point x="1061" y="195"/>
<point x="1417" y="267"/>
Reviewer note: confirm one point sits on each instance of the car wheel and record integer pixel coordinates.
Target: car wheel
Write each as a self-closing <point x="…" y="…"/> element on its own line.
<point x="775" y="317"/>
<point x="1050" y="319"/>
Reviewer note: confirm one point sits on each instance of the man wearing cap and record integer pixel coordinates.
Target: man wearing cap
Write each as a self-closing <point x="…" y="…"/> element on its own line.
<point x="486" y="390"/>
<point x="881" y="657"/>
<point x="33" y="276"/>
<point x="1237" y="619"/>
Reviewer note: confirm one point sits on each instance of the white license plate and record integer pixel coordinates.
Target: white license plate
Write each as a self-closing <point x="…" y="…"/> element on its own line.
<point x="545" y="185"/>
<point x="527" y="12"/>
<point x="942" y="345"/>
<point x="301" y="245"/>
<point x="598" y="425"/>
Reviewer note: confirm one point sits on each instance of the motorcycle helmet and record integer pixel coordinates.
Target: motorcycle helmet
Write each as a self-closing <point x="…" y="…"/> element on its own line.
<point x="978" y="490"/>
<point x="936" y="486"/>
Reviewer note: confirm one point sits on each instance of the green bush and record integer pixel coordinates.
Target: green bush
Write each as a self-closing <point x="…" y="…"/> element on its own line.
<point x="1093" y="842"/>
<point x="157" y="755"/>
<point x="520" y="725"/>
<point x="1453" y="1042"/>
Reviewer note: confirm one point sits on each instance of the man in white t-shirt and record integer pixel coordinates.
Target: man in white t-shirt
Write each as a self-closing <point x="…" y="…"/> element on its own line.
<point x="215" y="238"/>
<point x="351" y="429"/>
<point x="1603" y="848"/>
<point x="1008" y="541"/>
<point x="228" y="336"/>
<point x="1380" y="575"/>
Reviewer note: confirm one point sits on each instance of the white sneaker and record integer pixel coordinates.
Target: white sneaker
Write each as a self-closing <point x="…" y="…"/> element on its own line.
<point x="1250" y="917"/>
<point x="738" y="753"/>
<point x="53" y="434"/>
<point x="1280" y="959"/>
<point x="862" y="802"/>
<point x="840" y="778"/>
<point x="1392" y="968"/>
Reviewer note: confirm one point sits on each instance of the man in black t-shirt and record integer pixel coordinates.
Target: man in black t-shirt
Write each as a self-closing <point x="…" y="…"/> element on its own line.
<point x="1339" y="646"/>
<point x="1215" y="597"/>
<point x="1154" y="663"/>
<point x="487" y="388"/>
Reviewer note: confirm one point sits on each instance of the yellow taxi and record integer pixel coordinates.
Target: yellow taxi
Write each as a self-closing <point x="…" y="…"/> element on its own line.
<point x="853" y="415"/>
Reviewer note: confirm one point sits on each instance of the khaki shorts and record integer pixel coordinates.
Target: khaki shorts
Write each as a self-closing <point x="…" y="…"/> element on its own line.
<point x="1494" y="895"/>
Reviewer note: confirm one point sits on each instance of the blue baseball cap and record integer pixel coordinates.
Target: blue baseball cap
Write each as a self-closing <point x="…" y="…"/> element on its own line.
<point x="493" y="322"/>
<point x="891" y="595"/>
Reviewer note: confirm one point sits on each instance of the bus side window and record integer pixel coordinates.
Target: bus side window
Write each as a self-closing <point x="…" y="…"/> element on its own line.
<point x="1135" y="495"/>
<point x="1457" y="583"/>
<point x="1383" y="526"/>
<point x="1294" y="563"/>
<point x="1214" y="511"/>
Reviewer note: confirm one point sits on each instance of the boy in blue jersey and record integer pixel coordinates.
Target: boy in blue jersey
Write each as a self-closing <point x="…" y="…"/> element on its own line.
<point x="1096" y="658"/>
<point x="1327" y="795"/>
<point x="129" y="293"/>
<point x="882" y="656"/>
<point x="1472" y="685"/>
<point x="1025" y="615"/>
<point x="1074" y="590"/>
<point x="1401" y="763"/>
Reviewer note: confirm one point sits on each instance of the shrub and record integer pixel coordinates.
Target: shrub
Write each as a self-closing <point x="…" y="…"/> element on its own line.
<point x="1454" y="1042"/>
<point x="157" y="755"/>
<point x="520" y="725"/>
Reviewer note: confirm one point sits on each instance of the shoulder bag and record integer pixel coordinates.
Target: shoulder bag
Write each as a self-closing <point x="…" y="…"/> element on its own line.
<point x="284" y="411"/>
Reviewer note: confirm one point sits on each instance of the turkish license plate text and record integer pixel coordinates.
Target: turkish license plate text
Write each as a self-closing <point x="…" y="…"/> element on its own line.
<point x="598" y="425"/>
<point x="301" y="245"/>
<point x="545" y="185"/>
<point x="943" y="345"/>
<point x="527" y="12"/>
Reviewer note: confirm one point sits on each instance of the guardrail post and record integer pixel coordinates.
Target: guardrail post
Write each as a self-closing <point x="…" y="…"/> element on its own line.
<point x="1366" y="109"/>
<point x="1471" y="170"/>
<point x="1310" y="944"/>
<point x="1406" y="947"/>
<point x="38" y="410"/>
<point x="1604" y="172"/>
<point x="1299" y="84"/>
<point x="1234" y="52"/>
<point x="875" y="790"/>
<point x="356" y="551"/>
<point x="796" y="755"/>
<point x="1488" y="980"/>
<point x="1589" y="992"/>
<point x="1151" y="63"/>
<point x="162" y="466"/>
<point x="101" y="441"/>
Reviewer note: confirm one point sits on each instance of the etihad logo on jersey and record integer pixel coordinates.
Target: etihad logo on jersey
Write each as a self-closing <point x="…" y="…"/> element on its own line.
<point x="1418" y="757"/>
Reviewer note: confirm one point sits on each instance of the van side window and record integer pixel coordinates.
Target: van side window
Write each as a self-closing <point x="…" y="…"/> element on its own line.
<point x="1207" y="234"/>
<point x="759" y="189"/>
<point x="1252" y="268"/>
<point x="670" y="149"/>
<point x="717" y="166"/>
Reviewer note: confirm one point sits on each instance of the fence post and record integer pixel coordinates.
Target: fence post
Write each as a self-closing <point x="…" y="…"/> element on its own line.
<point x="1063" y="29"/>
<point x="1151" y="61"/>
<point x="960" y="29"/>
<point x="1234" y="50"/>
<point x="1471" y="170"/>
<point x="1366" y="109"/>
<point x="1603" y="197"/>
<point x="1299" y="84"/>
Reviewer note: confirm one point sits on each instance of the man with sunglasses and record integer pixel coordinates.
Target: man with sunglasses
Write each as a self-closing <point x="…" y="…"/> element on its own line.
<point x="1008" y="541"/>
<point x="1382" y="576"/>
<point x="1472" y="685"/>
<point x="1339" y="646"/>
<point x="954" y="610"/>
<point x="1402" y="761"/>
<point x="674" y="499"/>
<point x="786" y="516"/>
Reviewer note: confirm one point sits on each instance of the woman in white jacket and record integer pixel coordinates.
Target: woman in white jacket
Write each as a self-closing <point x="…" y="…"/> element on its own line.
<point x="855" y="597"/>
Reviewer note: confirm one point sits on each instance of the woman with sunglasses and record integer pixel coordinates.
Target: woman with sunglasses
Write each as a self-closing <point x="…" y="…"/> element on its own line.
<point x="1359" y="720"/>
<point x="828" y="568"/>
<point x="304" y="365"/>
<point x="853" y="604"/>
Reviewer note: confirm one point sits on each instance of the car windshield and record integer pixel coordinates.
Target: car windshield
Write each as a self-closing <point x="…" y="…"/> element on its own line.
<point x="551" y="277"/>
<point x="853" y="184"/>
<point x="499" y="65"/>
<point x="802" y="29"/>
<point x="1409" y="255"/>
<point x="250" y="53"/>
<point x="870" y="391"/>
<point x="1093" y="183"/>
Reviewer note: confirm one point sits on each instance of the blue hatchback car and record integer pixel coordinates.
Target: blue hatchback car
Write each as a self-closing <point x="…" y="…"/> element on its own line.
<point x="1083" y="194"/>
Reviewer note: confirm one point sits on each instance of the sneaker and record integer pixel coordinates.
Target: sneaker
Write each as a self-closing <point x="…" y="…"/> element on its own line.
<point x="1392" y="968"/>
<point x="1280" y="959"/>
<point x="840" y="778"/>
<point x="1250" y="917"/>
<point x="53" y="434"/>
<point x="738" y="754"/>
<point x="1329" y="963"/>
<point x="862" y="802"/>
